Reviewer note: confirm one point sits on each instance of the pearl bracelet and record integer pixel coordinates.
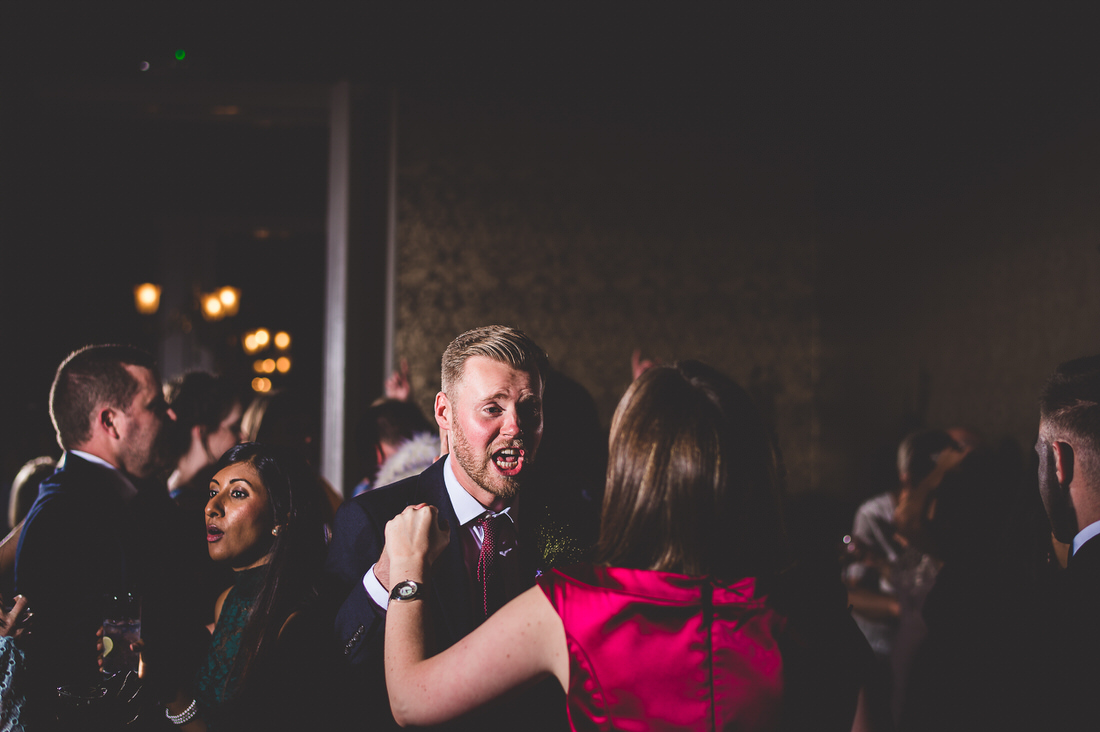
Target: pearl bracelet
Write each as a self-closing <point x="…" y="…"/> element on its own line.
<point x="185" y="716"/>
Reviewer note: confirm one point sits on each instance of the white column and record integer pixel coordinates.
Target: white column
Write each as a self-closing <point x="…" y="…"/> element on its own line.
<point x="335" y="346"/>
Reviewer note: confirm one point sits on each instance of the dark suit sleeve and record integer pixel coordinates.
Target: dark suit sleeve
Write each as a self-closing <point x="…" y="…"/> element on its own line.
<point x="60" y="566"/>
<point x="357" y="540"/>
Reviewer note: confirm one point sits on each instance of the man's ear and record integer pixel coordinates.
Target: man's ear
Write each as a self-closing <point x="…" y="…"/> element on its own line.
<point x="105" y="421"/>
<point x="442" y="411"/>
<point x="1063" y="462"/>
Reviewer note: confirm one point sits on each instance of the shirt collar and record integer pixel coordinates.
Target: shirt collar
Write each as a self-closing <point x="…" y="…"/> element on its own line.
<point x="94" y="459"/>
<point x="1085" y="534"/>
<point x="467" y="508"/>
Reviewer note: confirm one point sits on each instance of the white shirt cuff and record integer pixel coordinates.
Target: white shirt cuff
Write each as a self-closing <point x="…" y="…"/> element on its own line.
<point x="375" y="589"/>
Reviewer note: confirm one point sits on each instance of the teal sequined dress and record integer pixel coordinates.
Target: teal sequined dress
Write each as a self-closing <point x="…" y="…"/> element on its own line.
<point x="213" y="685"/>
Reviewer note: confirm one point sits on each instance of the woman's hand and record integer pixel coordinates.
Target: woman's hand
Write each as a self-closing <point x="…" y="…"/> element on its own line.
<point x="416" y="535"/>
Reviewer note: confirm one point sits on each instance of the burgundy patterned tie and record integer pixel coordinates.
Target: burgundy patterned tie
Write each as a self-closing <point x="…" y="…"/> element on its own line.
<point x="488" y="576"/>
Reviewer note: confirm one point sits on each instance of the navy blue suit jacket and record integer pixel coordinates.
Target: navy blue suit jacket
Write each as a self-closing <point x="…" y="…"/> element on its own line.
<point x="357" y="541"/>
<point x="72" y="551"/>
<point x="86" y="537"/>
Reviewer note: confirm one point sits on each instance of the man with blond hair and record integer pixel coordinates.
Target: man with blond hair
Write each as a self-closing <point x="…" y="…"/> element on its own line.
<point x="490" y="406"/>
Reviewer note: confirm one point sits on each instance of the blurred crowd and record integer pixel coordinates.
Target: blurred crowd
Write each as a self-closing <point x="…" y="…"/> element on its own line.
<point x="506" y="563"/>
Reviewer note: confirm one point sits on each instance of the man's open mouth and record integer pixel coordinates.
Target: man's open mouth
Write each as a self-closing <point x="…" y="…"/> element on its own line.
<point x="509" y="461"/>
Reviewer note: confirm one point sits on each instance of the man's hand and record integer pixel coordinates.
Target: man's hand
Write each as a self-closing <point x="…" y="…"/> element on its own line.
<point x="13" y="622"/>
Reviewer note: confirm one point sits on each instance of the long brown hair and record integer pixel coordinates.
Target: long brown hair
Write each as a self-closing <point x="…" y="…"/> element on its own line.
<point x="692" y="479"/>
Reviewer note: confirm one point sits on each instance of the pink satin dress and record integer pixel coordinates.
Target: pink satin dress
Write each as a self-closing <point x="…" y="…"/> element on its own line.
<point x="659" y="651"/>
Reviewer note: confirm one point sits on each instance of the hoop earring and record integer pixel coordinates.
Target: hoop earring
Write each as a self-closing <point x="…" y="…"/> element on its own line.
<point x="275" y="531"/>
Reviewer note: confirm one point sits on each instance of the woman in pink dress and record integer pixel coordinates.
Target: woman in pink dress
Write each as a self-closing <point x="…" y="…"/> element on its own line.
<point x="692" y="616"/>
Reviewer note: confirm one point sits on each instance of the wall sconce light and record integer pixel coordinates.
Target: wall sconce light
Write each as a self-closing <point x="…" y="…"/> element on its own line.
<point x="259" y="340"/>
<point x="221" y="304"/>
<point x="147" y="298"/>
<point x="230" y="298"/>
<point x="211" y="306"/>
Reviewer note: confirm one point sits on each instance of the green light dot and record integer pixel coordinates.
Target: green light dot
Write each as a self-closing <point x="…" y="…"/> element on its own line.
<point x="180" y="54"/>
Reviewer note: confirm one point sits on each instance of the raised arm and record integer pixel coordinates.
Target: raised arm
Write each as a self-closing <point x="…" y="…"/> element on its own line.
<point x="523" y="642"/>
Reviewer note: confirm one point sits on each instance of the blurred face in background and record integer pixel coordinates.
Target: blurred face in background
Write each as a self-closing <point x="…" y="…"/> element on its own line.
<point x="227" y="434"/>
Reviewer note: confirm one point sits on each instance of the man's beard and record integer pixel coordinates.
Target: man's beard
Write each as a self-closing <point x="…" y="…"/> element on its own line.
<point x="479" y="469"/>
<point x="144" y="461"/>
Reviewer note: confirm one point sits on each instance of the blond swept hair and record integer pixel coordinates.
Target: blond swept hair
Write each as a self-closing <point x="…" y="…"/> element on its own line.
<point x="497" y="342"/>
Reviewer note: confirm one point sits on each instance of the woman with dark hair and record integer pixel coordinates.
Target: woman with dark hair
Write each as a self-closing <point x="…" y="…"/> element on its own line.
<point x="263" y="519"/>
<point x="693" y="616"/>
<point x="207" y="423"/>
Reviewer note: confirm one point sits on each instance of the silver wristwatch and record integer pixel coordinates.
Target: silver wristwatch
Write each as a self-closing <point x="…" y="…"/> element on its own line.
<point x="407" y="590"/>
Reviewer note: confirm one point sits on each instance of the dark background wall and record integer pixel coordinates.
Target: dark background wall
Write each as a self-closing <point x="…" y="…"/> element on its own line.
<point x="608" y="230"/>
<point x="873" y="219"/>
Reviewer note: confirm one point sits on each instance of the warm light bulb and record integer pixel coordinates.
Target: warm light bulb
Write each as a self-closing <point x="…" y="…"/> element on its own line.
<point x="250" y="345"/>
<point x="263" y="337"/>
<point x="283" y="364"/>
<point x="230" y="299"/>
<point x="282" y="340"/>
<point x="269" y="365"/>
<point x="258" y="366"/>
<point x="261" y="384"/>
<point x="147" y="298"/>
<point x="212" y="307"/>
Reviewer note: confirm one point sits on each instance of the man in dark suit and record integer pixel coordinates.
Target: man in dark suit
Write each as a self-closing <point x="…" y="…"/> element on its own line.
<point x="1069" y="483"/>
<point x="490" y="408"/>
<point x="92" y="532"/>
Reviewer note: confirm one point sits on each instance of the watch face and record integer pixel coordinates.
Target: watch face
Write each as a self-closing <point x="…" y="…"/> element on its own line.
<point x="407" y="590"/>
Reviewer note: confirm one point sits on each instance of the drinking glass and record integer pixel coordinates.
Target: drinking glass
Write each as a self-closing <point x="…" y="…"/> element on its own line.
<point x="121" y="627"/>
